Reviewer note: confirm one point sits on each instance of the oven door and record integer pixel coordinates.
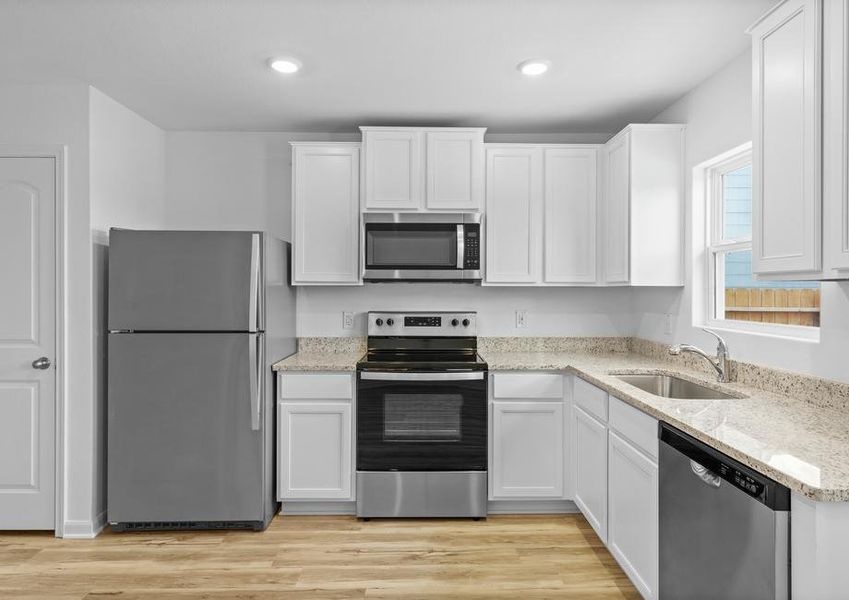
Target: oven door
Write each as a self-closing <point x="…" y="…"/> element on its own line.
<point x="421" y="421"/>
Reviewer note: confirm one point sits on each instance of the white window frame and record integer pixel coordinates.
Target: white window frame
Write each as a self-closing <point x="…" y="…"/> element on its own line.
<point x="717" y="246"/>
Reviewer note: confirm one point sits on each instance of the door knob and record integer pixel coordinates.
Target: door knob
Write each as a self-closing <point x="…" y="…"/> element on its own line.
<point x="41" y="363"/>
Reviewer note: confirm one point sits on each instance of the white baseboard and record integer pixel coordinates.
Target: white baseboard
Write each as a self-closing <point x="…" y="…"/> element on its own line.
<point x="84" y="530"/>
<point x="318" y="508"/>
<point x="530" y="507"/>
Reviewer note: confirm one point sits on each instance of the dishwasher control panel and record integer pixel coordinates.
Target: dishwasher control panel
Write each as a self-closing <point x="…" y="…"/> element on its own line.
<point x="741" y="480"/>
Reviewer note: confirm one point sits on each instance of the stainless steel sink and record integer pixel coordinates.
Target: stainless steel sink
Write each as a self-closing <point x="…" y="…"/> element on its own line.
<point x="669" y="386"/>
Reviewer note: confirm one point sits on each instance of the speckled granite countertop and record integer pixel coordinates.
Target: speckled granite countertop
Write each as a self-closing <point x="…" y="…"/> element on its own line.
<point x="320" y="361"/>
<point x="796" y="442"/>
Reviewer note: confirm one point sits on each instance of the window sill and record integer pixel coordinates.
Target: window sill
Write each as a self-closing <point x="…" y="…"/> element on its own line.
<point x="787" y="332"/>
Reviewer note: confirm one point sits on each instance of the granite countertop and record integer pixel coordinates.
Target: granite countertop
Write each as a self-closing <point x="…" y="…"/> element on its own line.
<point x="794" y="441"/>
<point x="319" y="361"/>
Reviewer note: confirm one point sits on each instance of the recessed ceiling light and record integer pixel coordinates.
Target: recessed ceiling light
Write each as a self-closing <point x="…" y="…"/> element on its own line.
<point x="287" y="66"/>
<point x="533" y="67"/>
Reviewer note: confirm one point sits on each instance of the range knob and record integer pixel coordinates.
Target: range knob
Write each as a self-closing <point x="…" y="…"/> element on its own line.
<point x="466" y="322"/>
<point x="454" y="322"/>
<point x="378" y="322"/>
<point x="390" y="322"/>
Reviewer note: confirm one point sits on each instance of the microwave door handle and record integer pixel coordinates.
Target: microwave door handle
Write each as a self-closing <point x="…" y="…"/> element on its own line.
<point x="461" y="247"/>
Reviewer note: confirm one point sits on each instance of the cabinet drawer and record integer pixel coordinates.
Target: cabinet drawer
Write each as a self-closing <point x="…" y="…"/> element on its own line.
<point x="591" y="399"/>
<point x="316" y="385"/>
<point x="634" y="425"/>
<point x="527" y="385"/>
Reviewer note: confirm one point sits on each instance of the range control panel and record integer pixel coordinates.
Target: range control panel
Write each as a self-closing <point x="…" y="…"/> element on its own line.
<point x="442" y="324"/>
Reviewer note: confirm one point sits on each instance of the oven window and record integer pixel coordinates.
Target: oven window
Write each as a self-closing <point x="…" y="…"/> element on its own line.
<point x="411" y="247"/>
<point x="422" y="417"/>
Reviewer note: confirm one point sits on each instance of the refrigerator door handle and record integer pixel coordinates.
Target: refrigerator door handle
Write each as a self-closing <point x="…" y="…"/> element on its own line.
<point x="256" y="361"/>
<point x="254" y="300"/>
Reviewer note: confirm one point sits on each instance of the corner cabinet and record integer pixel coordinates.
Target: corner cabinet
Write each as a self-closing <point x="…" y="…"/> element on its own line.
<point x="615" y="450"/>
<point x="315" y="448"/>
<point x="541" y="214"/>
<point x="643" y="198"/>
<point x="325" y="214"/>
<point x="422" y="168"/>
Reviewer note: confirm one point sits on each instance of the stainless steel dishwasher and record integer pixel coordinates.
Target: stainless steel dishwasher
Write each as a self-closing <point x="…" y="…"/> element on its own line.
<point x="724" y="528"/>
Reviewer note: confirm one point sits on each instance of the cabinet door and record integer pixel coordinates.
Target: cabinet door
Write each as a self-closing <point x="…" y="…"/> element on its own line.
<point x="836" y="142"/>
<point x="393" y="169"/>
<point x="570" y="215"/>
<point x="786" y="175"/>
<point x="513" y="215"/>
<point x="315" y="455"/>
<point x="454" y="170"/>
<point x="326" y="209"/>
<point x="527" y="450"/>
<point x="632" y="531"/>
<point x="617" y="199"/>
<point x="590" y="468"/>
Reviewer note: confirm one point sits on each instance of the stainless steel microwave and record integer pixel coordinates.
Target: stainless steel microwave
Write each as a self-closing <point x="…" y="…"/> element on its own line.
<point x="422" y="247"/>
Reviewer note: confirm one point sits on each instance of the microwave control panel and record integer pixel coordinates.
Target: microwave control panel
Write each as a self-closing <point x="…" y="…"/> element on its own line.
<point x="472" y="247"/>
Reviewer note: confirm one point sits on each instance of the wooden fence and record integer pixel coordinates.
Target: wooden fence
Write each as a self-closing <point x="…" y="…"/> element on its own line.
<point x="790" y="306"/>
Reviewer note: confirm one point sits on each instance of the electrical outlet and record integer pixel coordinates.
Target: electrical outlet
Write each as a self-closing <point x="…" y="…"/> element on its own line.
<point x="347" y="320"/>
<point x="521" y="319"/>
<point x="668" y="324"/>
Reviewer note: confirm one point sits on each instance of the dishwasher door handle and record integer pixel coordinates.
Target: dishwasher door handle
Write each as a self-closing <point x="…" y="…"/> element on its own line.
<point x="707" y="476"/>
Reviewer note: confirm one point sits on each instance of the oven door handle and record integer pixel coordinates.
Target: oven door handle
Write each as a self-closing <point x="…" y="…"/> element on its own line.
<point x="376" y="376"/>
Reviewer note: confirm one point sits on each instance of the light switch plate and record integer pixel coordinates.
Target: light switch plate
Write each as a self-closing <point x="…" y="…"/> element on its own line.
<point x="347" y="320"/>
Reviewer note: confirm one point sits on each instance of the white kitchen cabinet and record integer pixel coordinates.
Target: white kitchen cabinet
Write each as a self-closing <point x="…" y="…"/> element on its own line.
<point x="527" y="450"/>
<point x="422" y="168"/>
<point x="632" y="528"/>
<point x="570" y="202"/>
<point x="836" y="140"/>
<point x="392" y="173"/>
<point x="513" y="214"/>
<point x="589" y="455"/>
<point x="786" y="158"/>
<point x="325" y="214"/>
<point x="455" y="163"/>
<point x="315" y="451"/>
<point x="541" y="204"/>
<point x="643" y="206"/>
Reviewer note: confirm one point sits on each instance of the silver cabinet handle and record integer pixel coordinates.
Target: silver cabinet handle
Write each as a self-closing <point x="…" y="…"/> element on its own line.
<point x="371" y="375"/>
<point x="41" y="363"/>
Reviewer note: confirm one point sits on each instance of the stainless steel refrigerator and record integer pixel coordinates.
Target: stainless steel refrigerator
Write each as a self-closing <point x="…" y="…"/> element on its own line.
<point x="196" y="319"/>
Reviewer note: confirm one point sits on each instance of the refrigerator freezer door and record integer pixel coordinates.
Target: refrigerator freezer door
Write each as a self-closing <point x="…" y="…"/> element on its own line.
<point x="181" y="445"/>
<point x="185" y="281"/>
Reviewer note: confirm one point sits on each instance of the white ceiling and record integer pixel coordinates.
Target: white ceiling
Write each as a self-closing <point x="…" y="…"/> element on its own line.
<point x="200" y="64"/>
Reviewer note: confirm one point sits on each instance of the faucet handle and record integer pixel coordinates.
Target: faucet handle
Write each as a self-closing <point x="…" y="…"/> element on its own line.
<point x="723" y="347"/>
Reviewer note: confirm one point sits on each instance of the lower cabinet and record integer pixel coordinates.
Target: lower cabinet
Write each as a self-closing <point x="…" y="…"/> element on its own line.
<point x="632" y="535"/>
<point x="527" y="433"/>
<point x="590" y="469"/>
<point x="315" y="451"/>
<point x="527" y="450"/>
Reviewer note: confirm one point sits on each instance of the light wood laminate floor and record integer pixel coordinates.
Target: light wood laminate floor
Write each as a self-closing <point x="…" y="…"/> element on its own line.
<point x="547" y="556"/>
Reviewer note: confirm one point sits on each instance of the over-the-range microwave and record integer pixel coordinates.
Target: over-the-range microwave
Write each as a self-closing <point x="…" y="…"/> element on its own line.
<point x="422" y="247"/>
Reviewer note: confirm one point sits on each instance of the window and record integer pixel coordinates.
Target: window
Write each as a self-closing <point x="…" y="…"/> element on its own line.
<point x="737" y="299"/>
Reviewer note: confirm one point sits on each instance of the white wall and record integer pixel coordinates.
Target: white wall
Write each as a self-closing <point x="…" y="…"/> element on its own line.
<point x="58" y="114"/>
<point x="718" y="117"/>
<point x="127" y="189"/>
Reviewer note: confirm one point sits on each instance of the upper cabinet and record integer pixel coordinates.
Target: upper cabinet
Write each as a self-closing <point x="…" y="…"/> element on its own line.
<point x="541" y="204"/>
<point x="325" y="213"/>
<point x="786" y="160"/>
<point x="420" y="168"/>
<point x="643" y="196"/>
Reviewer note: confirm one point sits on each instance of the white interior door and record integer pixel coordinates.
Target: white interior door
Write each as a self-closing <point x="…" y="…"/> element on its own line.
<point x="27" y="334"/>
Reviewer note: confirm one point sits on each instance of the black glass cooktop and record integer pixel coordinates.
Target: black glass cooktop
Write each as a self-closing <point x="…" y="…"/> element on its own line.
<point x="420" y="360"/>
